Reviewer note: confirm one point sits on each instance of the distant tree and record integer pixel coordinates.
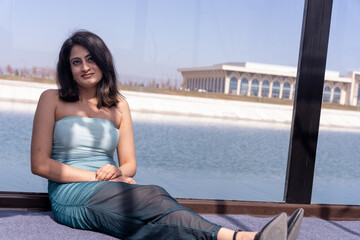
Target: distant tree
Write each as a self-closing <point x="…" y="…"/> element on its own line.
<point x="34" y="72"/>
<point x="168" y="83"/>
<point x="9" y="70"/>
<point x="52" y="73"/>
<point x="176" y="83"/>
<point x="24" y="72"/>
<point x="47" y="72"/>
<point x="42" y="72"/>
<point x="1" y="71"/>
<point x="162" y="85"/>
<point x="153" y="83"/>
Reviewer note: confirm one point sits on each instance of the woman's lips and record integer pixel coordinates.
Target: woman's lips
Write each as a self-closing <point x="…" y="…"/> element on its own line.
<point x="87" y="75"/>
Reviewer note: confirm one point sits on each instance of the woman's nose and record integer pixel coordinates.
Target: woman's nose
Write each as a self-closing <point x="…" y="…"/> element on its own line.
<point x="85" y="67"/>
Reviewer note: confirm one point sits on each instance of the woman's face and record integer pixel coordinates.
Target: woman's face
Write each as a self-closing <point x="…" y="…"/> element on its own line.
<point x="85" y="71"/>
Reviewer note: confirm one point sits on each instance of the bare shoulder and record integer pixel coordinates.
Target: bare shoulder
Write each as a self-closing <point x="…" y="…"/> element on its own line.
<point x="123" y="104"/>
<point x="48" y="99"/>
<point x="123" y="112"/>
<point x="50" y="94"/>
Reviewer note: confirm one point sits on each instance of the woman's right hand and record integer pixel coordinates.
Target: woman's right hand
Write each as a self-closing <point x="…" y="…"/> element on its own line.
<point x="123" y="179"/>
<point x="107" y="173"/>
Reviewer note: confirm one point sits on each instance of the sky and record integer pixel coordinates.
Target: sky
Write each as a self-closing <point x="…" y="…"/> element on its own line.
<point x="153" y="38"/>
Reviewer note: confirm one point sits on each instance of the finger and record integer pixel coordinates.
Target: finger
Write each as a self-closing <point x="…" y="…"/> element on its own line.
<point x="114" y="172"/>
<point x="117" y="173"/>
<point x="107" y="172"/>
<point x="119" y="179"/>
<point x="106" y="168"/>
<point x="130" y="180"/>
<point x="99" y="173"/>
<point x="101" y="176"/>
<point x="110" y="171"/>
<point x="109" y="176"/>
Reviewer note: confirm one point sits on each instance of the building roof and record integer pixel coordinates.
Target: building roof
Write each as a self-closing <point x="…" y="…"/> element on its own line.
<point x="267" y="69"/>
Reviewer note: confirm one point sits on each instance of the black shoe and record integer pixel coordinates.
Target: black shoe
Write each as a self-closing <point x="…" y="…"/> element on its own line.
<point x="294" y="224"/>
<point x="276" y="229"/>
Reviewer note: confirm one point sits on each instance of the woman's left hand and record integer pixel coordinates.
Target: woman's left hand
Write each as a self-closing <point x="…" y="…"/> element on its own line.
<point x="124" y="179"/>
<point x="107" y="173"/>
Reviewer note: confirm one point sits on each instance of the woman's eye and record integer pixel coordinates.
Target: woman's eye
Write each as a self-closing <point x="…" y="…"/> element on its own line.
<point x="90" y="59"/>
<point x="75" y="62"/>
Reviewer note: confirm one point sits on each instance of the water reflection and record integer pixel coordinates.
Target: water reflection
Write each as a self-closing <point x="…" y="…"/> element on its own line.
<point x="198" y="157"/>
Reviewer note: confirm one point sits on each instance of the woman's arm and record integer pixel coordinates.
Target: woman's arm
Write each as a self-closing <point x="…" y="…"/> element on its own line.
<point x="41" y="145"/>
<point x="126" y="146"/>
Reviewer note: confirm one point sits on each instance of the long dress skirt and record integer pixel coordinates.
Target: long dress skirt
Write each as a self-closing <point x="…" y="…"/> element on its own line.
<point x="127" y="211"/>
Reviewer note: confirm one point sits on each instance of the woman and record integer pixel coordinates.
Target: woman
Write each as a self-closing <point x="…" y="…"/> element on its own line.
<point x="76" y="131"/>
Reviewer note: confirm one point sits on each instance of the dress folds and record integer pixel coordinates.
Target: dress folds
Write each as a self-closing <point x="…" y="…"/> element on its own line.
<point x="126" y="211"/>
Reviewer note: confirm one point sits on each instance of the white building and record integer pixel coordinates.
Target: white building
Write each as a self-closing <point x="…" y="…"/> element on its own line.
<point x="265" y="80"/>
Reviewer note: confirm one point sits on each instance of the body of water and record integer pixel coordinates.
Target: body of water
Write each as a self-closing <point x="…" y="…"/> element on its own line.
<point x="204" y="158"/>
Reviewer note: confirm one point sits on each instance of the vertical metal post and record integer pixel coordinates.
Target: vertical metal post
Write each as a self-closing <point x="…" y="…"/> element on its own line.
<point x="307" y="102"/>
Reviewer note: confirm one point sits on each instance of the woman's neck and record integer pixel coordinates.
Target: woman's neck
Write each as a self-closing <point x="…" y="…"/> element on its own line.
<point x="87" y="94"/>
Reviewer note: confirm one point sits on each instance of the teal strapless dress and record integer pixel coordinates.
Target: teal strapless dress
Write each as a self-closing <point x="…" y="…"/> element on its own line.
<point x="126" y="211"/>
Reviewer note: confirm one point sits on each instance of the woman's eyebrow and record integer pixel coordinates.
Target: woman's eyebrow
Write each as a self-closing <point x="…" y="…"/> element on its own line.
<point x="89" y="55"/>
<point x="74" y="58"/>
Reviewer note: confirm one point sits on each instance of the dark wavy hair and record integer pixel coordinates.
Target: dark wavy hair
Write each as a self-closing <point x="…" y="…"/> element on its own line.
<point x="107" y="92"/>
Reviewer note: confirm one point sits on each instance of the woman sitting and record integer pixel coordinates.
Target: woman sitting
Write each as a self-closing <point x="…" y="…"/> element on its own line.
<point x="76" y="131"/>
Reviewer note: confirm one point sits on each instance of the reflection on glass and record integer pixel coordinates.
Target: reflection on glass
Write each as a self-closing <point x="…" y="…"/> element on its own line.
<point x="244" y="87"/>
<point x="254" y="87"/>
<point x="286" y="90"/>
<point x="233" y="85"/>
<point x="275" y="90"/>
<point x="223" y="54"/>
<point x="265" y="89"/>
<point x="326" y="94"/>
<point x="336" y="96"/>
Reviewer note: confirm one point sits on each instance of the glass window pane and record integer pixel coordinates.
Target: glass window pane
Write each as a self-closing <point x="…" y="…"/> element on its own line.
<point x="212" y="134"/>
<point x="244" y="87"/>
<point x="337" y="178"/>
<point x="275" y="90"/>
<point x="254" y="87"/>
<point x="286" y="90"/>
<point x="326" y="94"/>
<point x="233" y="85"/>
<point x="336" y="96"/>
<point x="265" y="89"/>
